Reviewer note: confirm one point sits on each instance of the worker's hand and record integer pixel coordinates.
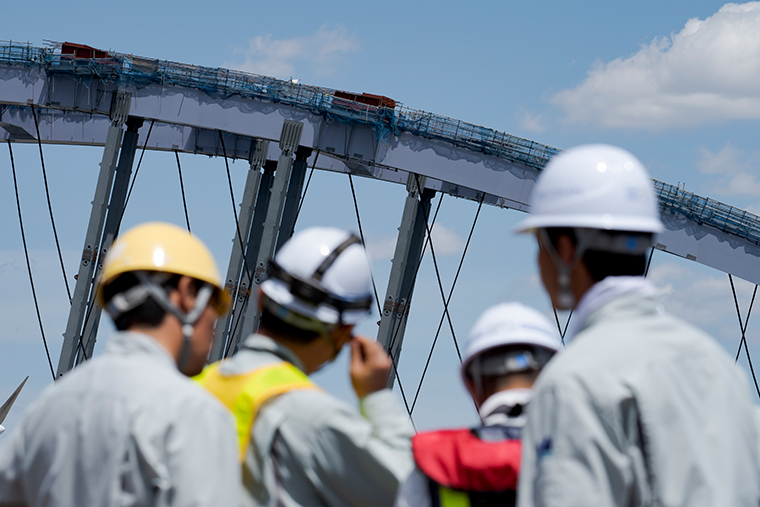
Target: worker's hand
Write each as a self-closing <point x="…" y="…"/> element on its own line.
<point x="369" y="366"/>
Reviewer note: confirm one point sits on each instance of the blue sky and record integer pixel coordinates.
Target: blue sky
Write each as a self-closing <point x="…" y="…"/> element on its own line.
<point x="673" y="82"/>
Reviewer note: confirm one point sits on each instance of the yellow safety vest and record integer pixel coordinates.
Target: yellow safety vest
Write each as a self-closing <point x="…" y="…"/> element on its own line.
<point x="245" y="393"/>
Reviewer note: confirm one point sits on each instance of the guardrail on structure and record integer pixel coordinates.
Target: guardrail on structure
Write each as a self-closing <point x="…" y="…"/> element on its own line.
<point x="139" y="71"/>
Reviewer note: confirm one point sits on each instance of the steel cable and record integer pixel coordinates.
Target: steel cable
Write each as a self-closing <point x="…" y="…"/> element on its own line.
<point x="306" y="189"/>
<point x="451" y="292"/>
<point x="744" y="329"/>
<point x="393" y="361"/>
<point x="364" y="243"/>
<point x="562" y="332"/>
<point x="50" y="206"/>
<point x="182" y="188"/>
<point x="440" y="283"/>
<point x="649" y="262"/>
<point x="240" y="239"/>
<point x="28" y="263"/>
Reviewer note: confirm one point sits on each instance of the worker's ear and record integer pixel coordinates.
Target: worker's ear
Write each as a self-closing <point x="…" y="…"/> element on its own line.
<point x="185" y="294"/>
<point x="565" y="249"/>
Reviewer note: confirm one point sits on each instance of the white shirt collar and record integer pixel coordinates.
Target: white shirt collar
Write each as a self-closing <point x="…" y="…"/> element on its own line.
<point x="605" y="291"/>
<point x="507" y="398"/>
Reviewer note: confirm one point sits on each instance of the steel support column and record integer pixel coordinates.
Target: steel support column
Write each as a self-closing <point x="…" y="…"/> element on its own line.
<point x="236" y="283"/>
<point x="289" y="140"/>
<point x="293" y="199"/>
<point x="111" y="229"/>
<point x="80" y="305"/>
<point x="406" y="259"/>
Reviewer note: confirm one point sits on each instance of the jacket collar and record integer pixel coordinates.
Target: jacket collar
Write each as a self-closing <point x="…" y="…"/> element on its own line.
<point x="605" y="292"/>
<point x="132" y="343"/>
<point x="491" y="414"/>
<point x="261" y="343"/>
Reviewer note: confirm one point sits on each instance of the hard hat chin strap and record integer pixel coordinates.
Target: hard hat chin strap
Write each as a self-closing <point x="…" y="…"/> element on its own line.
<point x="150" y="287"/>
<point x="565" y="297"/>
<point x="615" y="242"/>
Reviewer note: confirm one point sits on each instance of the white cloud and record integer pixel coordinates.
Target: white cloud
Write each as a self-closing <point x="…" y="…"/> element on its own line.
<point x="445" y="241"/>
<point x="732" y="169"/>
<point x="704" y="300"/>
<point x="380" y="250"/>
<point x="532" y="122"/>
<point x="705" y="73"/>
<point x="284" y="58"/>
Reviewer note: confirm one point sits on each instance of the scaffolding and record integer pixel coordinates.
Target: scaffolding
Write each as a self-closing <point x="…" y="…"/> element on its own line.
<point x="129" y="70"/>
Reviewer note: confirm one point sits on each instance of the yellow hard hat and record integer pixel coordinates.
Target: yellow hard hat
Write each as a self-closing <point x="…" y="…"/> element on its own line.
<point x="163" y="247"/>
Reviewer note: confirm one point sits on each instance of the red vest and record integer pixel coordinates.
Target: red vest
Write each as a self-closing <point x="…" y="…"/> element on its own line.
<point x="459" y="460"/>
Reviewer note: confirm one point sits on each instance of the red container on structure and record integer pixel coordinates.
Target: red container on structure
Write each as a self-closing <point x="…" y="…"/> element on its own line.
<point x="82" y="51"/>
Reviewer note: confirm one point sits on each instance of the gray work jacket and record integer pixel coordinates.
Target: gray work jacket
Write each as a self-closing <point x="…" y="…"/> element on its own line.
<point x="641" y="409"/>
<point x="124" y="429"/>
<point x="310" y="449"/>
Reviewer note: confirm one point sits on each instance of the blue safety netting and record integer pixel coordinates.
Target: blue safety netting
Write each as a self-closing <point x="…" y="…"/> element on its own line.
<point x="124" y="69"/>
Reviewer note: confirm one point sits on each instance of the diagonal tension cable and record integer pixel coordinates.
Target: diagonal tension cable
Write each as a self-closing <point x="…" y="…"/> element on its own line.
<point x="364" y="243"/>
<point x="28" y="263"/>
<point x="240" y="239"/>
<point x="744" y="329"/>
<point x="50" y="206"/>
<point x="440" y="282"/>
<point x="649" y="262"/>
<point x="377" y="300"/>
<point x="134" y="178"/>
<point x="306" y="188"/>
<point x="182" y="188"/>
<point x="562" y="332"/>
<point x="448" y="300"/>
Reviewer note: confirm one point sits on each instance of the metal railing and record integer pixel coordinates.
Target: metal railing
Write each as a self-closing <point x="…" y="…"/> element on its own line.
<point x="139" y="71"/>
<point x="706" y="211"/>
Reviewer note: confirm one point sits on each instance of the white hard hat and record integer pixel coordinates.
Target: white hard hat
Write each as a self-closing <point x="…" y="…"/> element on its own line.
<point x="509" y="324"/>
<point x="321" y="273"/>
<point x="594" y="186"/>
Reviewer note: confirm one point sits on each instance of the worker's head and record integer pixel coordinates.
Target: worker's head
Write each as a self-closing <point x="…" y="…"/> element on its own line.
<point x="595" y="214"/>
<point x="507" y="348"/>
<point x="157" y="274"/>
<point x="318" y="287"/>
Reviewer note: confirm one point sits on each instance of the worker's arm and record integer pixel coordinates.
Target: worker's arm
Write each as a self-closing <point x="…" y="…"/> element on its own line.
<point x="571" y="454"/>
<point x="350" y="459"/>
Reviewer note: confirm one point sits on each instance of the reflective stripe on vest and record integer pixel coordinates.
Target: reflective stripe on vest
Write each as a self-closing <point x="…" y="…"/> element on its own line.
<point x="245" y="393"/>
<point x="442" y="496"/>
<point x="448" y="497"/>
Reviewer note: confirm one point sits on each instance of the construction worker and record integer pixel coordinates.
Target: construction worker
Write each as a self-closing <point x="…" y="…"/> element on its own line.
<point x="507" y="347"/>
<point x="642" y="408"/>
<point x="298" y="444"/>
<point x="128" y="427"/>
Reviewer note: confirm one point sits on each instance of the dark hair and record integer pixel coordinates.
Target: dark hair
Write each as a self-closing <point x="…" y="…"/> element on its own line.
<point x="603" y="264"/>
<point x="282" y="329"/>
<point x="149" y="313"/>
